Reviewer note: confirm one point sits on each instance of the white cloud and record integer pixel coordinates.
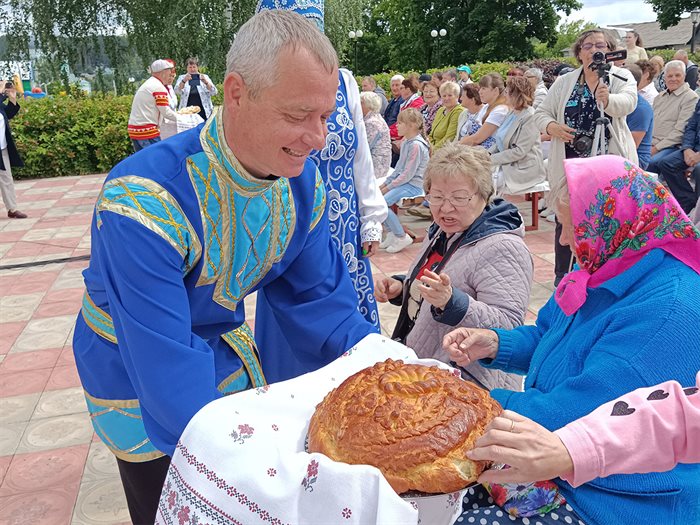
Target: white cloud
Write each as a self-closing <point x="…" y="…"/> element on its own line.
<point x="614" y="12"/>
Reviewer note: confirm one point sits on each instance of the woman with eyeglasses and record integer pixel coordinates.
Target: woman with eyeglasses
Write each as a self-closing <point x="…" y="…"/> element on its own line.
<point x="568" y="115"/>
<point x="474" y="269"/>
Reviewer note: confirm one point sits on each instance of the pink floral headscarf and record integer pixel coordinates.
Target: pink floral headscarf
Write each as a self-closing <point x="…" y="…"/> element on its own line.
<point x="619" y="214"/>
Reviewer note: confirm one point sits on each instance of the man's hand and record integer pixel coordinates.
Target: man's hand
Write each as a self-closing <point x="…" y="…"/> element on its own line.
<point x="386" y="289"/>
<point x="466" y="345"/>
<point x="532" y="452"/>
<point x="654" y="151"/>
<point x="689" y="157"/>
<point x="436" y="289"/>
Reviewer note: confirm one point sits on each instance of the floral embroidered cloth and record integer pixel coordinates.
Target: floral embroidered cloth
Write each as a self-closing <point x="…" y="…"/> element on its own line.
<point x="241" y="459"/>
<point x="619" y="214"/>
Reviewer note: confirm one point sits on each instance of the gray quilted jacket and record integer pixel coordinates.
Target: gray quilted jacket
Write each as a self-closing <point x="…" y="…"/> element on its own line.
<point x="491" y="273"/>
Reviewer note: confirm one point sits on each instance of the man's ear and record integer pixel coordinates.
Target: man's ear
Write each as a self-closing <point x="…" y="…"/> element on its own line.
<point x="234" y="90"/>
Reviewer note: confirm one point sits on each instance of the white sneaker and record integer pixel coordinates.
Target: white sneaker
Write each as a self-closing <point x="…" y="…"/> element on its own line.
<point x="387" y="240"/>
<point x="550" y="217"/>
<point x="544" y="212"/>
<point x="399" y="244"/>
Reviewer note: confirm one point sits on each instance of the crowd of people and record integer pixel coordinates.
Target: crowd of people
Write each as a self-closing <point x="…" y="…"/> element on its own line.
<point x="286" y="192"/>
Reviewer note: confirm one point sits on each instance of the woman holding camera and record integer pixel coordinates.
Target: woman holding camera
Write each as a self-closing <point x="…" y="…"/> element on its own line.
<point x="8" y="152"/>
<point x="196" y="89"/>
<point x="569" y="112"/>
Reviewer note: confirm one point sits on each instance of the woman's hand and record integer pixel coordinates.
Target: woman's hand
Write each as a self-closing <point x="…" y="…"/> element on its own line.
<point x="369" y="248"/>
<point x="386" y="289"/>
<point x="532" y="452"/>
<point x="602" y="93"/>
<point x="436" y="289"/>
<point x="466" y="345"/>
<point x="560" y="131"/>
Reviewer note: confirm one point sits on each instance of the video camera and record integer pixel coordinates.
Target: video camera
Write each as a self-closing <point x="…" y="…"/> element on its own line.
<point x="601" y="62"/>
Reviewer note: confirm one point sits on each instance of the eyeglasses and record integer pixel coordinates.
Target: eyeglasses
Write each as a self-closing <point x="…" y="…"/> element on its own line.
<point x="600" y="45"/>
<point x="458" y="201"/>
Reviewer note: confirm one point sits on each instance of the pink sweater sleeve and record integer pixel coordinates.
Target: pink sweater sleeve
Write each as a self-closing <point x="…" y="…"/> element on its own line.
<point x="648" y="430"/>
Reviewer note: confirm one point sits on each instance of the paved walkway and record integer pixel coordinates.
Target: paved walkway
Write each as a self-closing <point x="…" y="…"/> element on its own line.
<point x="53" y="471"/>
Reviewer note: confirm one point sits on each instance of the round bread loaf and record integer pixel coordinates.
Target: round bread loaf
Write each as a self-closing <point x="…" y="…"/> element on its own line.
<point x="414" y="423"/>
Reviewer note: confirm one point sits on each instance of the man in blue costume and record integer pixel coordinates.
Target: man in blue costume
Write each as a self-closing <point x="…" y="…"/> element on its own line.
<point x="356" y="210"/>
<point x="186" y="229"/>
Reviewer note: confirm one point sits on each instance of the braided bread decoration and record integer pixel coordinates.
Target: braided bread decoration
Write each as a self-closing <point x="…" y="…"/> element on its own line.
<point x="413" y="422"/>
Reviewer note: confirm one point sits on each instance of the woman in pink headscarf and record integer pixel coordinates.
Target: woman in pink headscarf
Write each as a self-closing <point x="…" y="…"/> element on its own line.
<point x="628" y="318"/>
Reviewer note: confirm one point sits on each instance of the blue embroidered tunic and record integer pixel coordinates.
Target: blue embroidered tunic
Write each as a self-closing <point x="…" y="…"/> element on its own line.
<point x="180" y="236"/>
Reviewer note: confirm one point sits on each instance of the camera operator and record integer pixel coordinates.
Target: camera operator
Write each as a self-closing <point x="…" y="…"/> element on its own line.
<point x="8" y="152"/>
<point x="569" y="112"/>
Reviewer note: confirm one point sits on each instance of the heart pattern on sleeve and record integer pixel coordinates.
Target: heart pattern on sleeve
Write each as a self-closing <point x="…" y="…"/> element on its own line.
<point x="622" y="409"/>
<point x="690" y="391"/>
<point x="657" y="395"/>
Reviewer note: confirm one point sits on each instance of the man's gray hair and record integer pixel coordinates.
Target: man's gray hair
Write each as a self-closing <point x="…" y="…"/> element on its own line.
<point x="674" y="64"/>
<point x="400" y="78"/>
<point x="370" y="79"/>
<point x="255" y="50"/>
<point x="371" y="100"/>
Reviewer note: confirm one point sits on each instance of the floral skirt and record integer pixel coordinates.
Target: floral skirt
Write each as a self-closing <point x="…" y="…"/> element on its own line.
<point x="479" y="508"/>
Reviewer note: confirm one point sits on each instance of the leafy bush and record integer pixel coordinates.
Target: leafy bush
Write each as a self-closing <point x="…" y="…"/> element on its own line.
<point x="69" y="136"/>
<point x="667" y="54"/>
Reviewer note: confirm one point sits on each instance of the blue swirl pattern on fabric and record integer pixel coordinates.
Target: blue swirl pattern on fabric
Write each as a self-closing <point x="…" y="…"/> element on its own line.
<point x="335" y="163"/>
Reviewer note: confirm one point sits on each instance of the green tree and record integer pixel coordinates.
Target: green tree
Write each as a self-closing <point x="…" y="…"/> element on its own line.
<point x="70" y="32"/>
<point x="476" y="30"/>
<point x="565" y="37"/>
<point x="668" y="12"/>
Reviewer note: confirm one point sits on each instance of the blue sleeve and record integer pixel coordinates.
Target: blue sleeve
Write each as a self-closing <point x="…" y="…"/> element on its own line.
<point x="455" y="309"/>
<point x="640" y="119"/>
<point x="171" y="369"/>
<point x="635" y="350"/>
<point x="517" y="346"/>
<point x="315" y="303"/>
<point x="691" y="129"/>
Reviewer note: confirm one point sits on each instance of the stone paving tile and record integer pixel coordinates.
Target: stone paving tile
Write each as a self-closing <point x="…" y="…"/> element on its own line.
<point x="49" y="507"/>
<point x="18" y="408"/>
<point x="101" y="502"/>
<point x="24" y="382"/>
<point x="17" y="362"/>
<point x="41" y="471"/>
<point x="60" y="403"/>
<point x="51" y="332"/>
<point x="9" y="333"/>
<point x="55" y="432"/>
<point x="63" y="377"/>
<point x="10" y="437"/>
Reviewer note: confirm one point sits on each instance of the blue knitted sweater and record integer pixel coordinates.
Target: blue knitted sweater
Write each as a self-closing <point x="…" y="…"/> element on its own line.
<point x="638" y="329"/>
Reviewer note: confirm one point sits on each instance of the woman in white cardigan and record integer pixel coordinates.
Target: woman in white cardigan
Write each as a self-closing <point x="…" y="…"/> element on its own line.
<point x="517" y="153"/>
<point x="201" y="95"/>
<point x="569" y="111"/>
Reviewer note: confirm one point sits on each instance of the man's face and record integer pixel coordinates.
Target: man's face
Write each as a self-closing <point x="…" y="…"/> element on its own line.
<point x="396" y="87"/>
<point x="274" y="133"/>
<point x="674" y="78"/>
<point x="367" y="86"/>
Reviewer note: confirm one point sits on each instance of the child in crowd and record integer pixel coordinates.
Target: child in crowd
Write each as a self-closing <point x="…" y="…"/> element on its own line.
<point x="407" y="178"/>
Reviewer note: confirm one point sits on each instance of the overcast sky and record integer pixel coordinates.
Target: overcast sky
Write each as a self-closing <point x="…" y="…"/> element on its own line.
<point x="617" y="12"/>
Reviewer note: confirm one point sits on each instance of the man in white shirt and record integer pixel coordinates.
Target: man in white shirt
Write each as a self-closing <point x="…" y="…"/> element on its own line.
<point x="151" y="106"/>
